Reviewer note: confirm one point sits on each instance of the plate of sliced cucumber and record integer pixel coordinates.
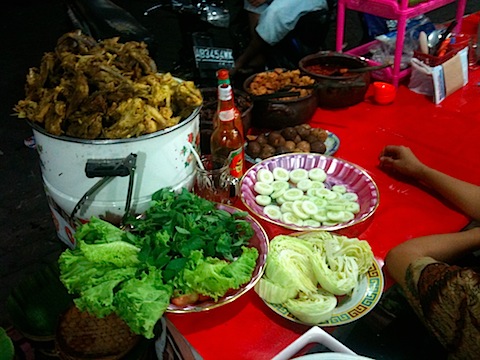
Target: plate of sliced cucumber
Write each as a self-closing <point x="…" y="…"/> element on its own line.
<point x="306" y="191"/>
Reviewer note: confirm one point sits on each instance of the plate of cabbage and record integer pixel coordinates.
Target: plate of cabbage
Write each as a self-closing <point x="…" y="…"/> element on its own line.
<point x="306" y="191"/>
<point x="320" y="278"/>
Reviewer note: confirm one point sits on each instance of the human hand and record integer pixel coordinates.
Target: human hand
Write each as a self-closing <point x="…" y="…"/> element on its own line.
<point x="401" y="160"/>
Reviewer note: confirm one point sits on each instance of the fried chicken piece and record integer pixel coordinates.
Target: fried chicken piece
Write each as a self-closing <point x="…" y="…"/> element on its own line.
<point x="89" y="89"/>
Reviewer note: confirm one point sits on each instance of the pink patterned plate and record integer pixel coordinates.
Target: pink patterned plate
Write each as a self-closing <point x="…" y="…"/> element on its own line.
<point x="339" y="172"/>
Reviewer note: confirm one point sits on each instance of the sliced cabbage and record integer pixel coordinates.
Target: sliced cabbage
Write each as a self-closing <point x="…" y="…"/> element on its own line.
<point x="288" y="263"/>
<point x="273" y="292"/>
<point x="338" y="275"/>
<point x="312" y="309"/>
<point x="360" y="250"/>
<point x="305" y="273"/>
<point x="338" y="260"/>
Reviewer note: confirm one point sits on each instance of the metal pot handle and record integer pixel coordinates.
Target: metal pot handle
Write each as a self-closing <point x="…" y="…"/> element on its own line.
<point x="107" y="169"/>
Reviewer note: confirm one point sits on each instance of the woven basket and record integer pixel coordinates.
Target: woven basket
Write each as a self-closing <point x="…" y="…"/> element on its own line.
<point x="81" y="336"/>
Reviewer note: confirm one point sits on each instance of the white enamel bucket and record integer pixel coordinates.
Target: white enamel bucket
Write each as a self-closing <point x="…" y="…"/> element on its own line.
<point x="163" y="159"/>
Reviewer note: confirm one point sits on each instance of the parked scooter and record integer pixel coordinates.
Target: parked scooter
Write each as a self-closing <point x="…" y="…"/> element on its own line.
<point x="213" y="33"/>
<point x="103" y="19"/>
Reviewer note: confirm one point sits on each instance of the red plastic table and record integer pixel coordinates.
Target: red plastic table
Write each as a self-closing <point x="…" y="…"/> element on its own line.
<point x="445" y="136"/>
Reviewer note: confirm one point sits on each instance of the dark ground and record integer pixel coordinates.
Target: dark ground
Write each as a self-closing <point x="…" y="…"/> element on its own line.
<point x="28" y="29"/>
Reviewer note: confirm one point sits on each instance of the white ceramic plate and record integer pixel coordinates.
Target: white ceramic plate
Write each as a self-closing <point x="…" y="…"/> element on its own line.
<point x="332" y="356"/>
<point x="332" y="143"/>
<point x="349" y="308"/>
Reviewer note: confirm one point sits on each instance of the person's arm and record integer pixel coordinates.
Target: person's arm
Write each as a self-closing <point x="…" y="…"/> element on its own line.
<point x="464" y="195"/>
<point x="443" y="247"/>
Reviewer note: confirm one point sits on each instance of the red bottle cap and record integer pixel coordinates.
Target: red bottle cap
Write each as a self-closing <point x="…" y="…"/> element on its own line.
<point x="222" y="74"/>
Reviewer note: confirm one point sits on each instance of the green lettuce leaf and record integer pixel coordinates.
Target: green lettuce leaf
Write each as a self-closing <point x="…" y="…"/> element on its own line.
<point x="214" y="277"/>
<point x="78" y="273"/>
<point x="98" y="299"/>
<point x="141" y="302"/>
<point x="99" y="232"/>
<point x="119" y="253"/>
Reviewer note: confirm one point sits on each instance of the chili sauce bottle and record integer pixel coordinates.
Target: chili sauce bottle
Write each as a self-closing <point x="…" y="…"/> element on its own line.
<point x="223" y="77"/>
<point x="227" y="142"/>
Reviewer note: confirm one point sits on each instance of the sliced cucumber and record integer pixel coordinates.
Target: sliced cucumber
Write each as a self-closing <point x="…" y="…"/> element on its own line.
<point x="263" y="200"/>
<point x="304" y="184"/>
<point x="273" y="212"/>
<point x="341" y="189"/>
<point x="281" y="199"/>
<point x="326" y="194"/>
<point x="317" y="174"/>
<point x="353" y="207"/>
<point x="298" y="210"/>
<point x="332" y="195"/>
<point x="263" y="188"/>
<point x="280" y="184"/>
<point x="335" y="207"/>
<point x="293" y="194"/>
<point x="335" y="215"/>
<point x="286" y="207"/>
<point x="318" y="184"/>
<point x="277" y="193"/>
<point x="309" y="207"/>
<point x="296" y="175"/>
<point x="265" y="175"/>
<point x="302" y="197"/>
<point x="321" y="203"/>
<point x="330" y="223"/>
<point x="290" y="218"/>
<point x="350" y="196"/>
<point x="281" y="174"/>
<point x="348" y="216"/>
<point x="312" y="223"/>
<point x="320" y="216"/>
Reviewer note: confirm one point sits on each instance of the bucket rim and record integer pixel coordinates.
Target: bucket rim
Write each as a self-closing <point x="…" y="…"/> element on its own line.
<point x="195" y="113"/>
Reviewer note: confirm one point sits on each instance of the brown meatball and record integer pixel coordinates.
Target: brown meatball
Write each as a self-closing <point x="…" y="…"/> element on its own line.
<point x="320" y="134"/>
<point x="289" y="133"/>
<point x="303" y="131"/>
<point x="290" y="145"/>
<point x="311" y="138"/>
<point x="276" y="139"/>
<point x="267" y="151"/>
<point x="303" y="146"/>
<point x="254" y="148"/>
<point x="297" y="139"/>
<point x="262" y="139"/>
<point x="318" y="147"/>
<point x="282" y="150"/>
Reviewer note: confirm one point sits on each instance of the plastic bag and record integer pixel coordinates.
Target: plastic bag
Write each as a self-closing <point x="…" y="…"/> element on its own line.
<point x="384" y="52"/>
<point x="421" y="78"/>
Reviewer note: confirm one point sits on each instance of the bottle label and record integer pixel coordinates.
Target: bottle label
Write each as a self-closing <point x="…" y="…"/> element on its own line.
<point x="236" y="160"/>
<point x="226" y="115"/>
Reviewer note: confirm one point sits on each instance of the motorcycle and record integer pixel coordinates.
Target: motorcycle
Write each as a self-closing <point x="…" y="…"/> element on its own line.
<point x="212" y="32"/>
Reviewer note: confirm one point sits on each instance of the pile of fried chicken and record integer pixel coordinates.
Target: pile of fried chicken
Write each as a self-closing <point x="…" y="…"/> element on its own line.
<point x="104" y="90"/>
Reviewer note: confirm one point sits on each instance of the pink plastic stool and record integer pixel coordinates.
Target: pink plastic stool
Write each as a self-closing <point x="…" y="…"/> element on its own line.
<point x="395" y="10"/>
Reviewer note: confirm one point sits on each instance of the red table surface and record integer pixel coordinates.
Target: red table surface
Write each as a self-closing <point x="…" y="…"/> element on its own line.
<point x="445" y="136"/>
